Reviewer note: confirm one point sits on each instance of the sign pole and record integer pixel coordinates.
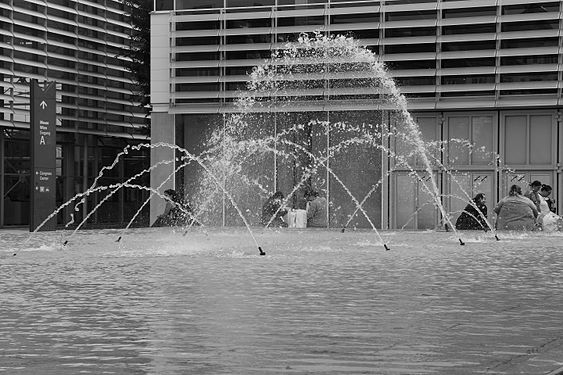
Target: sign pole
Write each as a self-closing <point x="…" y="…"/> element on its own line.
<point x="43" y="155"/>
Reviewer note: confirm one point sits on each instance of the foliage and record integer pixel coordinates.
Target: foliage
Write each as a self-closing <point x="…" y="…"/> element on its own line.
<point x="138" y="62"/>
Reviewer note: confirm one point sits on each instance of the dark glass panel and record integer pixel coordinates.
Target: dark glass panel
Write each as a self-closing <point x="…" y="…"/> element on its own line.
<point x="415" y="15"/>
<point x="469" y="29"/>
<point x="200" y="25"/>
<point x="408" y="32"/>
<point x="468" y="79"/>
<point x="469" y="12"/>
<point x="531" y="8"/>
<point x="530" y="25"/>
<point x="462" y="63"/>
<point x="529" y="77"/>
<point x="469" y="46"/>
<point x="338" y="19"/>
<point x="529" y="43"/>
<point x="527" y="60"/>
<point x="411" y="48"/>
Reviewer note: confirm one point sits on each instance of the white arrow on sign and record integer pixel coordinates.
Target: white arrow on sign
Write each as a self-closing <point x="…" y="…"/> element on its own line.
<point x="43" y="105"/>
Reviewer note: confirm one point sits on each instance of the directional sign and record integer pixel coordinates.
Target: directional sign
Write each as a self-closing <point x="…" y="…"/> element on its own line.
<point x="43" y="155"/>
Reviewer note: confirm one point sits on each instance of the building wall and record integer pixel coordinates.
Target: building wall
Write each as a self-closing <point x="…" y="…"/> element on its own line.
<point x="485" y="71"/>
<point x="80" y="46"/>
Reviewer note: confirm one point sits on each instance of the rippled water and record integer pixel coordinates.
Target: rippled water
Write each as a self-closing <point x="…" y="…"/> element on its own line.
<point x="320" y="302"/>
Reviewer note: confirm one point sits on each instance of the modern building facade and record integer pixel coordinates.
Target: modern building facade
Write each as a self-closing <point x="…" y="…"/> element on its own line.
<point x="80" y="46"/>
<point x="488" y="72"/>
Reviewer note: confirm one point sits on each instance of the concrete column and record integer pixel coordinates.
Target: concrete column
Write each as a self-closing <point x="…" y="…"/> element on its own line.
<point x="162" y="130"/>
<point x="162" y="123"/>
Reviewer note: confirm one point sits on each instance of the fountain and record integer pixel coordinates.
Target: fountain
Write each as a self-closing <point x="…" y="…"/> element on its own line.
<point x="300" y="88"/>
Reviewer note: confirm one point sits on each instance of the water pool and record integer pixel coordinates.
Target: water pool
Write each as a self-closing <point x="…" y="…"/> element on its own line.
<point x="319" y="302"/>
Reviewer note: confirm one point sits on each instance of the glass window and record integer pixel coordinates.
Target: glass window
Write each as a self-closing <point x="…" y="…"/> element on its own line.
<point x="416" y="64"/>
<point x="241" y="55"/>
<point x="412" y="31"/>
<point x="469" y="12"/>
<point x="468" y="79"/>
<point x="527" y="60"/>
<point x="516" y="133"/>
<point x="300" y="21"/>
<point x="414" y="81"/>
<point x="411" y="48"/>
<point x="531" y="8"/>
<point x="249" y="39"/>
<point x="197" y="56"/>
<point x="259" y="22"/>
<point x="529" y="43"/>
<point x="198" y="4"/>
<point x="167" y="4"/>
<point x="461" y="63"/>
<point x="529" y="77"/>
<point x="458" y="134"/>
<point x="200" y="25"/>
<point x="482" y="139"/>
<point x="415" y="15"/>
<point x="364" y="34"/>
<point x="530" y="25"/>
<point x="469" y="29"/>
<point x="339" y="19"/>
<point x="540" y="139"/>
<point x="187" y="87"/>
<point x="197" y="72"/>
<point x="249" y="3"/>
<point x="469" y="46"/>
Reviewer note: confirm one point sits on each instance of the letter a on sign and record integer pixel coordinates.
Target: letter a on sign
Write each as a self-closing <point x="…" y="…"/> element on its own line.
<point x="42" y="140"/>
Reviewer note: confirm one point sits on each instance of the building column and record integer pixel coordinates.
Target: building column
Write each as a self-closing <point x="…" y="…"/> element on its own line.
<point x="162" y="130"/>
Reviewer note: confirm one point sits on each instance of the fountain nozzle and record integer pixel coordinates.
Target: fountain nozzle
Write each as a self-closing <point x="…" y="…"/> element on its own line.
<point x="343" y="229"/>
<point x="261" y="252"/>
<point x="64" y="244"/>
<point x="496" y="237"/>
<point x="461" y="242"/>
<point x="386" y="247"/>
<point x="119" y="239"/>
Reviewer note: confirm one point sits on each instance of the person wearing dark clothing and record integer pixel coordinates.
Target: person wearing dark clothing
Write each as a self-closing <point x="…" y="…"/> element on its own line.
<point x="534" y="193"/>
<point x="176" y="212"/>
<point x="271" y="210"/>
<point x="474" y="216"/>
<point x="316" y="210"/>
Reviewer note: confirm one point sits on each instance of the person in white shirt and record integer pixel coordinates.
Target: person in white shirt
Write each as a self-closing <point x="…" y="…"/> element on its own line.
<point x="548" y="220"/>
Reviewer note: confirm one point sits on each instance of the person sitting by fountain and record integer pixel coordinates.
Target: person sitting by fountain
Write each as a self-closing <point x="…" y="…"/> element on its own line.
<point x="272" y="210"/>
<point x="549" y="221"/>
<point x="316" y="210"/>
<point x="176" y="212"/>
<point x="533" y="194"/>
<point x="474" y="215"/>
<point x="516" y="212"/>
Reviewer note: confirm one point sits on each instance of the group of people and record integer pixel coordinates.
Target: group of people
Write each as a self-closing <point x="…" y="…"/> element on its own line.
<point x="178" y="213"/>
<point x="530" y="211"/>
<point x="534" y="210"/>
<point x="273" y="211"/>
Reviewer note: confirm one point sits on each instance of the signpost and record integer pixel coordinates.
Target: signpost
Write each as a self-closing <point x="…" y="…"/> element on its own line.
<point x="43" y="155"/>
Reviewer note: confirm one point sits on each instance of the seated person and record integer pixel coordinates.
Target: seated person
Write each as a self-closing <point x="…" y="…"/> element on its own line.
<point x="516" y="212"/>
<point x="474" y="215"/>
<point x="534" y="193"/>
<point x="176" y="212"/>
<point x="549" y="221"/>
<point x="272" y="209"/>
<point x="316" y="210"/>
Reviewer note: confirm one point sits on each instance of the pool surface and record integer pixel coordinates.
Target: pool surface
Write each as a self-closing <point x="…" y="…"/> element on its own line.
<point x="319" y="302"/>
